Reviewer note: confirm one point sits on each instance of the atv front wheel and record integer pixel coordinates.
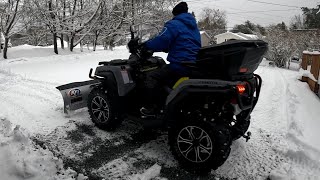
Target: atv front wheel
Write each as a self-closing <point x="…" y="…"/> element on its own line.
<point x="102" y="110"/>
<point x="200" y="146"/>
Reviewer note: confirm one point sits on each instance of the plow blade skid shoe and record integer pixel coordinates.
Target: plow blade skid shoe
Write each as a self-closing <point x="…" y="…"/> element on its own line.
<point x="75" y="95"/>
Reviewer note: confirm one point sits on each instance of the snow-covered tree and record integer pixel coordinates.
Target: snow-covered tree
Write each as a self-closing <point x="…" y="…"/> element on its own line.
<point x="214" y="21"/>
<point x="249" y="28"/>
<point x="312" y="17"/>
<point x="11" y="11"/>
<point x="46" y="12"/>
<point x="280" y="45"/>
<point x="81" y="18"/>
<point x="297" y="22"/>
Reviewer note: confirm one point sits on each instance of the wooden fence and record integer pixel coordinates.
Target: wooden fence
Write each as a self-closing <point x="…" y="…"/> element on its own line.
<point x="311" y="62"/>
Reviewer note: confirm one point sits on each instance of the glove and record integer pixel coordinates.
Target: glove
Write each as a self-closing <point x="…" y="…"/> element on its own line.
<point x="145" y="52"/>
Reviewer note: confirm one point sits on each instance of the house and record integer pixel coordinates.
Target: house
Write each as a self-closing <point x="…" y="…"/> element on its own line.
<point x="205" y="39"/>
<point x="220" y="38"/>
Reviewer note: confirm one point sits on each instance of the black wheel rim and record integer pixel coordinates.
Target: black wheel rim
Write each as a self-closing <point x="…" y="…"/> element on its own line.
<point x="194" y="144"/>
<point x="100" y="109"/>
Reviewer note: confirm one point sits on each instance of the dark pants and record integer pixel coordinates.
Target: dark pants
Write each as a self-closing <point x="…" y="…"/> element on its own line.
<point x="156" y="81"/>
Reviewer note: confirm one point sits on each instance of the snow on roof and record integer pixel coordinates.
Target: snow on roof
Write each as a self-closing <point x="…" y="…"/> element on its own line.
<point x="230" y="33"/>
<point x="240" y="35"/>
<point x="311" y="52"/>
<point x="249" y="36"/>
<point x="205" y="33"/>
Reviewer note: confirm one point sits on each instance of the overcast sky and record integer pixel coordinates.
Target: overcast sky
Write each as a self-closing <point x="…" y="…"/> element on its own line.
<point x="265" y="11"/>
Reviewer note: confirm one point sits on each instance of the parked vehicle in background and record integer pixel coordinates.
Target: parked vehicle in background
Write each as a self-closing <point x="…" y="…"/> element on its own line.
<point x="295" y="59"/>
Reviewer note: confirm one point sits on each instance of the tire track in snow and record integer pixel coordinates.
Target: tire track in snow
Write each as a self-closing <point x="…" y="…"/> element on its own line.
<point x="19" y="114"/>
<point x="300" y="153"/>
<point x="271" y="107"/>
<point x="15" y="85"/>
<point x="32" y="104"/>
<point x="260" y="156"/>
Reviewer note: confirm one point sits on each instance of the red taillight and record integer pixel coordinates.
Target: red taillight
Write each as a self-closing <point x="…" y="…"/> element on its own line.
<point x="243" y="70"/>
<point x="241" y="88"/>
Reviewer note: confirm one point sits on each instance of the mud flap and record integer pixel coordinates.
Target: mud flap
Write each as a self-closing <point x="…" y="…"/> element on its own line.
<point x="75" y="95"/>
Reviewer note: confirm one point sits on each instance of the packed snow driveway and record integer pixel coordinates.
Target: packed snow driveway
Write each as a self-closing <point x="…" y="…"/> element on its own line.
<point x="284" y="126"/>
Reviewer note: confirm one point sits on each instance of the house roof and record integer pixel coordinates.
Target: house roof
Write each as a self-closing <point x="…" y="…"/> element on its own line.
<point x="205" y="33"/>
<point x="249" y="36"/>
<point x="239" y="35"/>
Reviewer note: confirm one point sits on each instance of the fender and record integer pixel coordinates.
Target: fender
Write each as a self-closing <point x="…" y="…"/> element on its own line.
<point x="202" y="85"/>
<point x="122" y="75"/>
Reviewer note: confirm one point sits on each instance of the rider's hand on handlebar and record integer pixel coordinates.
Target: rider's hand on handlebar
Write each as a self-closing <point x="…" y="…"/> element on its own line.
<point x="145" y="52"/>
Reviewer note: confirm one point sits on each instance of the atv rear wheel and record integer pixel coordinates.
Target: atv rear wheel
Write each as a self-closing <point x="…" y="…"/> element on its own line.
<point x="200" y="146"/>
<point x="102" y="110"/>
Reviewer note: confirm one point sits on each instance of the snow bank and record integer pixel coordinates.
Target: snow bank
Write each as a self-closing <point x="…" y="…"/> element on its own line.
<point x="152" y="172"/>
<point x="20" y="158"/>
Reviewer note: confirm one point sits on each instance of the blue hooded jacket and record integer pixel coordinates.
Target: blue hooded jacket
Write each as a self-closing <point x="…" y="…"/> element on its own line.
<point x="180" y="37"/>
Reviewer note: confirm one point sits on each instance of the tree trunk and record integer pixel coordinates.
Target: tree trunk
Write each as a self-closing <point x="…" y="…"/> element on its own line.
<point x="62" y="41"/>
<point x="71" y="43"/>
<point x="105" y="45"/>
<point x="5" y="48"/>
<point x="81" y="46"/>
<point x="95" y="43"/>
<point x="53" y="30"/>
<point x="68" y="42"/>
<point x="55" y="43"/>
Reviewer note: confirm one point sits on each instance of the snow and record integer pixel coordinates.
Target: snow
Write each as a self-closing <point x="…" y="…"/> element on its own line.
<point x="311" y="52"/>
<point x="307" y="73"/>
<point x="285" y="125"/>
<point x="149" y="174"/>
<point x="21" y="159"/>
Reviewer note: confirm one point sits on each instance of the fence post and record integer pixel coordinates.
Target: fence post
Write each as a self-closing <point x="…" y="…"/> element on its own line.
<point x="311" y="59"/>
<point x="304" y="63"/>
<point x="315" y="69"/>
<point x="315" y="66"/>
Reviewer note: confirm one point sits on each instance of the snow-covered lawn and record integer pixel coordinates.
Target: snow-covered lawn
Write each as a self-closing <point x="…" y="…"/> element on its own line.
<point x="38" y="141"/>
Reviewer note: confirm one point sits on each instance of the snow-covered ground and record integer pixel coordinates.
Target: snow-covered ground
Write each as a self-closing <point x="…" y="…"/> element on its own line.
<point x="38" y="141"/>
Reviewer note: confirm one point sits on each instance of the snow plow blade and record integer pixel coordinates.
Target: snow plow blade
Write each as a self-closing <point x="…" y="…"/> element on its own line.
<point x="75" y="95"/>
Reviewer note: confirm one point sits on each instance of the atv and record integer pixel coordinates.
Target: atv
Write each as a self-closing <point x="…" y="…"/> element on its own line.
<point x="203" y="113"/>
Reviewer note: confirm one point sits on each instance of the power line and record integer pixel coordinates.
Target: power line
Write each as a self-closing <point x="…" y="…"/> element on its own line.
<point x="261" y="11"/>
<point x="270" y="18"/>
<point x="273" y="4"/>
<point x="253" y="17"/>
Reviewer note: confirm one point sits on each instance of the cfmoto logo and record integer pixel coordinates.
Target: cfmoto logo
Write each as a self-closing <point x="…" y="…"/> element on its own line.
<point x="74" y="93"/>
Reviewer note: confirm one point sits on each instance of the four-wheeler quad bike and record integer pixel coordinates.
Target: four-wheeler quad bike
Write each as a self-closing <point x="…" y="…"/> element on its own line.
<point x="203" y="113"/>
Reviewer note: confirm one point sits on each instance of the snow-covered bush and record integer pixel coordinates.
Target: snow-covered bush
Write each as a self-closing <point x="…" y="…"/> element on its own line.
<point x="280" y="46"/>
<point x="284" y="44"/>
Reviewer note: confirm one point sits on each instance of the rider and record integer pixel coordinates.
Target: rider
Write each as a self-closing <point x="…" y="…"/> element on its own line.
<point x="180" y="37"/>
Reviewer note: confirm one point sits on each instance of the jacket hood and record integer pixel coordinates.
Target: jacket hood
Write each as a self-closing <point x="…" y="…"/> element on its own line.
<point x="187" y="19"/>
